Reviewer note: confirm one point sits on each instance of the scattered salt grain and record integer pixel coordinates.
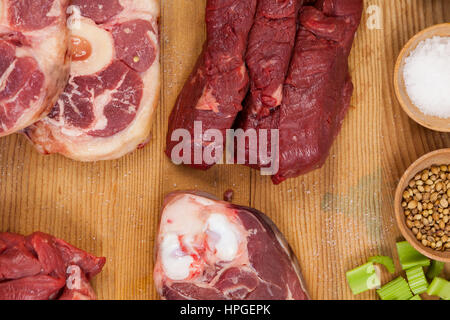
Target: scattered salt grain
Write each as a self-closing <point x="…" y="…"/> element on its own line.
<point x="427" y="76"/>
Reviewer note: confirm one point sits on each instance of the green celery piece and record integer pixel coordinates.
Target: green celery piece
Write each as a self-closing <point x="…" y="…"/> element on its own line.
<point x="397" y="289"/>
<point x="439" y="287"/>
<point x="363" y="278"/>
<point x="416" y="297"/>
<point x="417" y="281"/>
<point x="435" y="269"/>
<point x="410" y="257"/>
<point x="385" y="261"/>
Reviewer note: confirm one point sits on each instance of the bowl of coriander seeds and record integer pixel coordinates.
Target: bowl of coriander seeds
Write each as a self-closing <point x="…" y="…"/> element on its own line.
<point x="422" y="205"/>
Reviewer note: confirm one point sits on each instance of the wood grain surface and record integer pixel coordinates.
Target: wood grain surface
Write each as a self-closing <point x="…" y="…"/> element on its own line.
<point x="334" y="218"/>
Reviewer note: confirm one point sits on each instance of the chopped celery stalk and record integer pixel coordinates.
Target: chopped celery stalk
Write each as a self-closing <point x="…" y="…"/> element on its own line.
<point x="385" y="261"/>
<point x="435" y="269"/>
<point x="416" y="297"/>
<point x="397" y="289"/>
<point x="363" y="278"/>
<point x="439" y="287"/>
<point x="410" y="257"/>
<point x="416" y="280"/>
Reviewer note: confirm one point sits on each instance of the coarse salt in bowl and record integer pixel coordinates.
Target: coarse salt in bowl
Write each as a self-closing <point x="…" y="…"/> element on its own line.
<point x="427" y="76"/>
<point x="422" y="78"/>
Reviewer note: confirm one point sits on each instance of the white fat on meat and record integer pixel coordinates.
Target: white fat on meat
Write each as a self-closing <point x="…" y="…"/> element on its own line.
<point x="193" y="232"/>
<point x="176" y="263"/>
<point x="222" y="236"/>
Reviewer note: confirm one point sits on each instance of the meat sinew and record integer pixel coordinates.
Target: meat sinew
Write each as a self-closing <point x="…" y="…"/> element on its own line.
<point x="209" y="250"/>
<point x="33" y="64"/>
<point x="42" y="267"/>
<point x="106" y="108"/>
<point x="214" y="92"/>
<point x="269" y="53"/>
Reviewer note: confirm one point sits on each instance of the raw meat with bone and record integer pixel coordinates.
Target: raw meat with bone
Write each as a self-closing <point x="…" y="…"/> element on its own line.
<point x="106" y="109"/>
<point x="269" y="52"/>
<point x="33" y="63"/>
<point x="317" y="90"/>
<point x="208" y="249"/>
<point x="214" y="92"/>
<point x="39" y="267"/>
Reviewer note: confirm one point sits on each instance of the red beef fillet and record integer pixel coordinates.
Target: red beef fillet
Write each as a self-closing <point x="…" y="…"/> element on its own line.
<point x="269" y="52"/>
<point x="214" y="92"/>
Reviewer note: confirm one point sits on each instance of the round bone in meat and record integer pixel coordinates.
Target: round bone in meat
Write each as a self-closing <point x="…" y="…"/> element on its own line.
<point x="33" y="63"/>
<point x="208" y="249"/>
<point x="106" y="108"/>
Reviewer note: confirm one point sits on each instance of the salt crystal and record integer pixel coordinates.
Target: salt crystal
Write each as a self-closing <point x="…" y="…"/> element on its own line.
<point x="427" y="76"/>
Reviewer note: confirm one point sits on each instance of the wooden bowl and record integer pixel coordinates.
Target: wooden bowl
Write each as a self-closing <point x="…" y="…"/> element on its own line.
<point x="431" y="122"/>
<point x="438" y="157"/>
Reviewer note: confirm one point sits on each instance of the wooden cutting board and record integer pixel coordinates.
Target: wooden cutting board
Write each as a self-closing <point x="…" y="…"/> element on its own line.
<point x="334" y="218"/>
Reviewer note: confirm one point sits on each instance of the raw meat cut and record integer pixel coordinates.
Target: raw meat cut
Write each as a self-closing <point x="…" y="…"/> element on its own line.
<point x="214" y="92"/>
<point x="317" y="90"/>
<point x="106" y="108"/>
<point x="40" y="287"/>
<point x="33" y="63"/>
<point x="42" y="267"/>
<point x="269" y="53"/>
<point x="208" y="250"/>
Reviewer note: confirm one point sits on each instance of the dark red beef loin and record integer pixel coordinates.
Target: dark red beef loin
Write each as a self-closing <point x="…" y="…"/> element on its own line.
<point x="318" y="88"/>
<point x="214" y="92"/>
<point x="41" y="266"/>
<point x="194" y="225"/>
<point x="99" y="10"/>
<point x="269" y="53"/>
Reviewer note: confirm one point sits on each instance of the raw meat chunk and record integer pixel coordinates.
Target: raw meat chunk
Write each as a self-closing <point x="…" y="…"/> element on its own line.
<point x="209" y="250"/>
<point x="214" y="92"/>
<point x="269" y="53"/>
